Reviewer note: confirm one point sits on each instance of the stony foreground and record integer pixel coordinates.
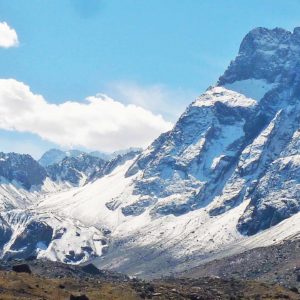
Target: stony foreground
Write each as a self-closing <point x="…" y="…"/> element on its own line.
<point x="275" y="264"/>
<point x="68" y="282"/>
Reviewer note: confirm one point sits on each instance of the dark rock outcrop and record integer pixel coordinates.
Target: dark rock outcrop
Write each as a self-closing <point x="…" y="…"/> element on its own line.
<point x="22" y="268"/>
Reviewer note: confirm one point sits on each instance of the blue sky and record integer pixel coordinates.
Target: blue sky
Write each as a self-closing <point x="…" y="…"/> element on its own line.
<point x="152" y="53"/>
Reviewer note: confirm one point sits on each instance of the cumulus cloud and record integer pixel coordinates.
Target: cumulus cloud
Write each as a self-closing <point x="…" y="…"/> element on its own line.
<point x="8" y="36"/>
<point x="157" y="98"/>
<point x="99" y="122"/>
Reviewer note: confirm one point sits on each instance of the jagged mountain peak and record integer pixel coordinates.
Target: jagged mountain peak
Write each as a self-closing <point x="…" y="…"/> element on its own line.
<point x="268" y="54"/>
<point x="262" y="38"/>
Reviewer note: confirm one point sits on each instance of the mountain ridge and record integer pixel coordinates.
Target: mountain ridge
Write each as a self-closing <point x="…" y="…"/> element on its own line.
<point x="54" y="156"/>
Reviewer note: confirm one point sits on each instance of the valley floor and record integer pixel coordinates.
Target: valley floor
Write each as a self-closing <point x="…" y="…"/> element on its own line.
<point x="69" y="285"/>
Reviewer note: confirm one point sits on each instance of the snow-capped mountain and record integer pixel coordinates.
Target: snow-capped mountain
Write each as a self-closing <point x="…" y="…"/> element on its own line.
<point x="27" y="231"/>
<point x="227" y="170"/>
<point x="223" y="180"/>
<point x="233" y="139"/>
<point x="22" y="169"/>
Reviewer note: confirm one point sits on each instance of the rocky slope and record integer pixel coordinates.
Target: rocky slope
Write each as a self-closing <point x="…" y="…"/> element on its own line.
<point x="279" y="263"/>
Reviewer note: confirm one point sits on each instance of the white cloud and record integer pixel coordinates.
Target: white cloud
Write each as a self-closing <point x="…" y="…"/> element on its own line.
<point x="98" y="123"/>
<point x="8" y="36"/>
<point x="157" y="98"/>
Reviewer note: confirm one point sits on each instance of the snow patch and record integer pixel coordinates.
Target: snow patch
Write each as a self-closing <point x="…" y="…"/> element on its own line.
<point x="251" y="88"/>
<point x="225" y="96"/>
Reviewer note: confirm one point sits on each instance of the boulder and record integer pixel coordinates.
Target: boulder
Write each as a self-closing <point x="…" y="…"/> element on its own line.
<point x="22" y="268"/>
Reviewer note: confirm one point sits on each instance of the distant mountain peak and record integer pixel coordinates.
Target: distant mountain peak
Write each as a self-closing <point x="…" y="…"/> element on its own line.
<point x="53" y="156"/>
<point x="21" y="168"/>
